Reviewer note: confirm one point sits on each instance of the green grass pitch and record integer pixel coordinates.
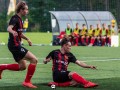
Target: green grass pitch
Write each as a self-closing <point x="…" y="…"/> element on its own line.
<point x="107" y="60"/>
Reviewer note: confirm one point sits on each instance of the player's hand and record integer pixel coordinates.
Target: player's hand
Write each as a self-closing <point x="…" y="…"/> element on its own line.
<point x="29" y="42"/>
<point x="15" y="33"/>
<point x="92" y="67"/>
<point x="45" y="61"/>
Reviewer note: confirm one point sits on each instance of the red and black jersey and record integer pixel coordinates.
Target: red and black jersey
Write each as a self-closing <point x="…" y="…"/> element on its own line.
<point x="16" y="21"/>
<point x="61" y="61"/>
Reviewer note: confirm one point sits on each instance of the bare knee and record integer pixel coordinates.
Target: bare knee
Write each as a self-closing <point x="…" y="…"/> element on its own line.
<point x="22" y="67"/>
<point x="71" y="73"/>
<point x="34" y="60"/>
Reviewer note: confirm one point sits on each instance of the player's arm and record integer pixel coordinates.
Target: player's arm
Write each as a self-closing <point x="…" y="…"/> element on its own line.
<point x="10" y="30"/>
<point x="45" y="61"/>
<point x="84" y="65"/>
<point x="73" y="59"/>
<point x="49" y="57"/>
<point x="28" y="40"/>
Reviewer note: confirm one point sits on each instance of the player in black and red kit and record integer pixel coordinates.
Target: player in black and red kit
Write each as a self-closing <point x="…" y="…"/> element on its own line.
<point x="61" y="58"/>
<point x="20" y="53"/>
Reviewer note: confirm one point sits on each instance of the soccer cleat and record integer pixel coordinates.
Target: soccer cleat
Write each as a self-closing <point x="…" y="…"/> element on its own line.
<point x="90" y="85"/>
<point x="29" y="85"/>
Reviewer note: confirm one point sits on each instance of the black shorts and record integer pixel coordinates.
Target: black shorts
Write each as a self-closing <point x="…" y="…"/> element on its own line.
<point x="61" y="76"/>
<point x="18" y="52"/>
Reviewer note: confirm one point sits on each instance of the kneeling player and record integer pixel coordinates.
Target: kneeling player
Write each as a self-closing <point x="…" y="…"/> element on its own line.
<point x="61" y="58"/>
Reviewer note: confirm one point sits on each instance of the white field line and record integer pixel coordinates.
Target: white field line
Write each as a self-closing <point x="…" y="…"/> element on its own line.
<point x="94" y="59"/>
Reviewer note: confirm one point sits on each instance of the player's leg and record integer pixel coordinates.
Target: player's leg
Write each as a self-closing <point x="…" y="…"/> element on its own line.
<point x="76" y="40"/>
<point x="92" y="40"/>
<point x="83" y="40"/>
<point x="13" y="67"/>
<point x="87" y="40"/>
<point x="79" y="79"/>
<point x="99" y="40"/>
<point x="61" y="79"/>
<point x="31" y="69"/>
<point x="108" y="40"/>
<point x="103" y="40"/>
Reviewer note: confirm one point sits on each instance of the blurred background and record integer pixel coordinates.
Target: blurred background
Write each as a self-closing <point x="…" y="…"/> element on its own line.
<point x="39" y="16"/>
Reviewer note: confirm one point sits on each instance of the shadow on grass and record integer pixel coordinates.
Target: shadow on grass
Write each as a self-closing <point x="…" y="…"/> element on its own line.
<point x="104" y="84"/>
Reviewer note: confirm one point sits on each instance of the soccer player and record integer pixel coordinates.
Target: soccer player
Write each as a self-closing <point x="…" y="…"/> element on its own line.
<point x="83" y="34"/>
<point x="76" y="32"/>
<point x="68" y="32"/>
<point x="96" y="34"/>
<point x="110" y="31"/>
<point x="20" y="53"/>
<point x="61" y="59"/>
<point x="90" y="36"/>
<point x="103" y="34"/>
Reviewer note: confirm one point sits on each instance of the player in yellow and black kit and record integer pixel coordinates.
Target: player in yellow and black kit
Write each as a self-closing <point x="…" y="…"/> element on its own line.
<point x="90" y="38"/>
<point x="96" y="34"/>
<point x="103" y="34"/>
<point x="83" y="33"/>
<point x="75" y="34"/>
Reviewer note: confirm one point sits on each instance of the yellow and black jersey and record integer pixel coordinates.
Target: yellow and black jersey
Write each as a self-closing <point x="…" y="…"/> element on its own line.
<point x="97" y="32"/>
<point x="90" y="32"/>
<point x="110" y="32"/>
<point x="76" y="31"/>
<point x="83" y="32"/>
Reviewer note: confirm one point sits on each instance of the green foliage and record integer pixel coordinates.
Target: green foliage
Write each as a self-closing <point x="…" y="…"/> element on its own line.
<point x="3" y="23"/>
<point x="39" y="16"/>
<point x="35" y="37"/>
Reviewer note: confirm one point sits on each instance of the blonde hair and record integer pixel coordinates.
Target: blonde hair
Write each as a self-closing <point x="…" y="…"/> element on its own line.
<point x="20" y="5"/>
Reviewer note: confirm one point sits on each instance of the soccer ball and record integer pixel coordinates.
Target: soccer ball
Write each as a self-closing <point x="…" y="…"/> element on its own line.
<point x="53" y="86"/>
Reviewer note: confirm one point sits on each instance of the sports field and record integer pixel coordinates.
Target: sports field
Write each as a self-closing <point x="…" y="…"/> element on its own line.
<point x="106" y="59"/>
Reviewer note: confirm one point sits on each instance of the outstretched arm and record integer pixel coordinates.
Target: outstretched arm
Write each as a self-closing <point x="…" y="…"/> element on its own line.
<point x="49" y="57"/>
<point x="84" y="65"/>
<point x="45" y="61"/>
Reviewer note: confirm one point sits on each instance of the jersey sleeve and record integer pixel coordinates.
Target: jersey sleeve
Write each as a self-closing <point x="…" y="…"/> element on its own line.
<point x="72" y="58"/>
<point x="51" y="54"/>
<point x="13" y="21"/>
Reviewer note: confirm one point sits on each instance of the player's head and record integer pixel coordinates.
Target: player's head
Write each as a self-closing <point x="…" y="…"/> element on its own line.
<point x="26" y="19"/>
<point x="22" y="8"/>
<point x="68" y="25"/>
<point x="84" y="26"/>
<point x="77" y="25"/>
<point x="98" y="26"/>
<point x="91" y="26"/>
<point x="109" y="26"/>
<point x="66" y="45"/>
<point x="104" y="25"/>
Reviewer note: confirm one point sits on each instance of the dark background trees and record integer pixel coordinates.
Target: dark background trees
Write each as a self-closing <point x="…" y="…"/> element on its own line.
<point x="39" y="16"/>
